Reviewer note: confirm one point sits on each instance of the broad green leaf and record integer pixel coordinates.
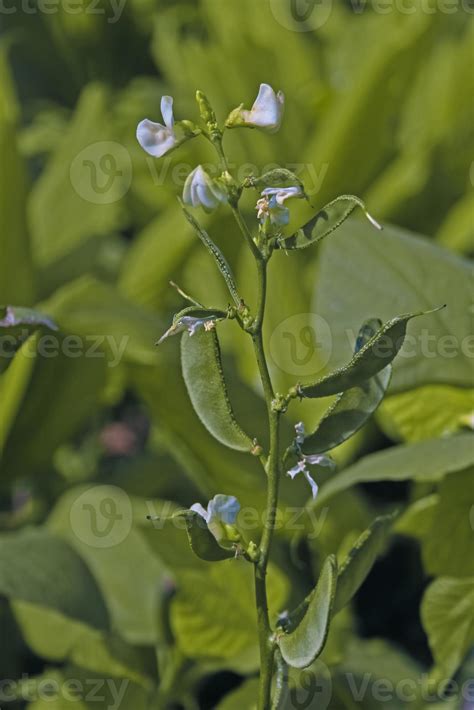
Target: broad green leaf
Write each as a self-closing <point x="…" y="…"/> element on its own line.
<point x="44" y="373"/>
<point x="374" y="356"/>
<point x="244" y="697"/>
<point x="418" y="518"/>
<point x="13" y="385"/>
<point x="98" y="521"/>
<point x="213" y="614"/>
<point x="324" y="222"/>
<point x="204" y="377"/>
<point x="17" y="281"/>
<point x="78" y="195"/>
<point x="106" y="321"/>
<point x="360" y="560"/>
<point x="156" y="255"/>
<point x="218" y="256"/>
<point x="352" y="408"/>
<point x="426" y="412"/>
<point x="303" y="645"/>
<point x="54" y="637"/>
<point x="427" y="461"/>
<point x="407" y="274"/>
<point x="75" y="688"/>
<point x="38" y="567"/>
<point x="447" y="613"/>
<point x="448" y="549"/>
<point x="14" y="315"/>
<point x="202" y="541"/>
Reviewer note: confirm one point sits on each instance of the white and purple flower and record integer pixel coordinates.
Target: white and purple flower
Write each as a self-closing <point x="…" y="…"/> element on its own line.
<point x="271" y="205"/>
<point x="221" y="513"/>
<point x="310" y="459"/>
<point x="200" y="190"/>
<point x="266" y="112"/>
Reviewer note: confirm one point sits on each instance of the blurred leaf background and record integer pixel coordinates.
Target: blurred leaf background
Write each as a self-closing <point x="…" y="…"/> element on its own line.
<point x="378" y="105"/>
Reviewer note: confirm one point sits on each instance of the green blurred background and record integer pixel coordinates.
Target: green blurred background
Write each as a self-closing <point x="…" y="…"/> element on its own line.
<point x="378" y="104"/>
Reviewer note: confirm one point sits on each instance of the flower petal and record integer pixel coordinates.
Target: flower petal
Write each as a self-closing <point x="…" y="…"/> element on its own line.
<point x="224" y="508"/>
<point x="320" y="460"/>
<point x="167" y="111"/>
<point x="312" y="483"/>
<point x="267" y="110"/>
<point x="198" y="508"/>
<point x="154" y="138"/>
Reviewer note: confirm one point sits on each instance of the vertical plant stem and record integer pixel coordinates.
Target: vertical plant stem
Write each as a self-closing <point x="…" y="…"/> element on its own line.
<point x="273" y="477"/>
<point x="272" y="467"/>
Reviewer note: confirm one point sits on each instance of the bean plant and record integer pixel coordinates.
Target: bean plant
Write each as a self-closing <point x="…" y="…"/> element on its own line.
<point x="298" y="637"/>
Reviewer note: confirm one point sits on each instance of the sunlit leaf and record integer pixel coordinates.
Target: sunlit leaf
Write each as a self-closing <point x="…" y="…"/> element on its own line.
<point x="39" y="567"/>
<point x="425" y="461"/>
<point x="447" y="613"/>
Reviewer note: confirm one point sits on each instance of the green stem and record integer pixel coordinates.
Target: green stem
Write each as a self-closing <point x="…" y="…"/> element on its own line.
<point x="273" y="477"/>
<point x="272" y="465"/>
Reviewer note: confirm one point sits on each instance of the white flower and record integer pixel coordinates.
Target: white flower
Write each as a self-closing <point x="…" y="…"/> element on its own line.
<point x="221" y="510"/>
<point x="189" y="323"/>
<point x="312" y="460"/>
<point x="155" y="138"/>
<point x="272" y="204"/>
<point x="266" y="112"/>
<point x="200" y="190"/>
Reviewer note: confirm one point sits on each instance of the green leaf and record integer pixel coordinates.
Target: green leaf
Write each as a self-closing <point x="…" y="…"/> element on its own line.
<point x="303" y="645"/>
<point x="244" y="697"/>
<point x="97" y="521"/>
<point x="218" y="256"/>
<point x="13" y="385"/>
<point x="30" y="382"/>
<point x="427" y="461"/>
<point x="53" y="636"/>
<point x="417" y="520"/>
<point x="38" y="567"/>
<point x="425" y="412"/>
<point x="213" y="613"/>
<point x="373" y="357"/>
<point x="352" y="408"/>
<point x="360" y="560"/>
<point x="101" y="315"/>
<point x="447" y="613"/>
<point x="448" y="549"/>
<point x="204" y="377"/>
<point x="420" y="274"/>
<point x="17" y="283"/>
<point x="12" y="316"/>
<point x="78" y="195"/>
<point x="75" y="688"/>
<point x="324" y="222"/>
<point x="202" y="541"/>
